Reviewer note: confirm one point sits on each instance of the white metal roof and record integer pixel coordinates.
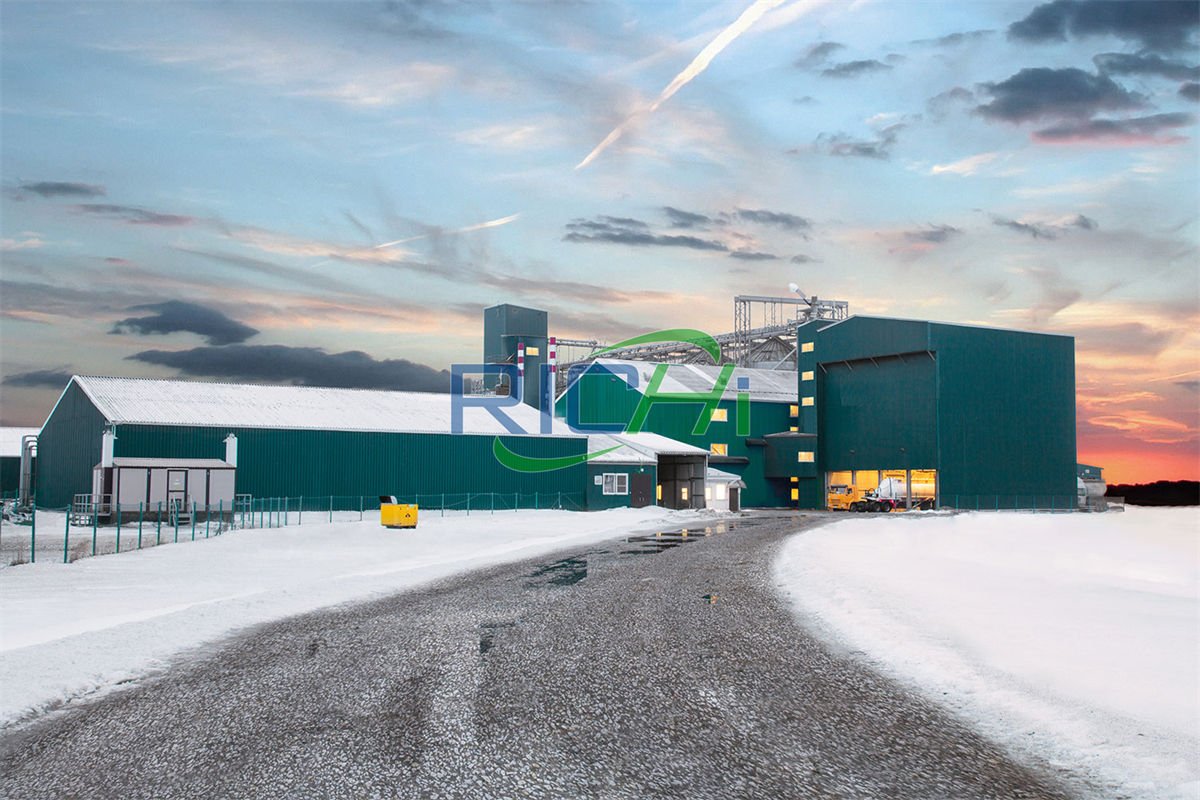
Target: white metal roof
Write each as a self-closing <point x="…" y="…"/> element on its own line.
<point x="765" y="385"/>
<point x="638" y="448"/>
<point x="715" y="475"/>
<point x="145" y="401"/>
<point x="10" y="440"/>
<point x="173" y="463"/>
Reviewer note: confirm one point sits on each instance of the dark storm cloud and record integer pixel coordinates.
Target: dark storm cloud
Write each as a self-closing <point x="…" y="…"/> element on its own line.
<point x="1190" y="91"/>
<point x="1045" y="93"/>
<point x="1164" y="25"/>
<point x="853" y="69"/>
<point x="778" y="219"/>
<point x="303" y="366"/>
<point x="933" y="234"/>
<point x="177" y="316"/>
<point x="954" y="39"/>
<point x="686" y="219"/>
<point x="1145" y="64"/>
<point x="61" y="189"/>
<point x="616" y="230"/>
<point x="842" y="144"/>
<point x="40" y="379"/>
<point x="818" y="54"/>
<point x="134" y="215"/>
<point x="753" y="255"/>
<point x="801" y="258"/>
<point x="1137" y="128"/>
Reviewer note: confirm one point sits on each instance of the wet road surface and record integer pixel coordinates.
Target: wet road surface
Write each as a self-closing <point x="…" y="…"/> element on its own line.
<point x="658" y="666"/>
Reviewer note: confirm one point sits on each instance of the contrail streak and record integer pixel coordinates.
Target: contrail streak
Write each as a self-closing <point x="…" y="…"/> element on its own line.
<point x="700" y="63"/>
<point x="491" y="223"/>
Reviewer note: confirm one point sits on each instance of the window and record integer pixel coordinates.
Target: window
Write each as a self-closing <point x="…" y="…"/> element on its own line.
<point x="804" y="457"/>
<point x="683" y="493"/>
<point x="616" y="483"/>
<point x="806" y="375"/>
<point x="793" y="411"/>
<point x="718" y="449"/>
<point x="532" y="351"/>
<point x="806" y="347"/>
<point x="658" y="493"/>
<point x="795" y="494"/>
<point x="794" y="429"/>
<point x="807" y="401"/>
<point x="720" y="415"/>
<point x="708" y="493"/>
<point x="721" y="490"/>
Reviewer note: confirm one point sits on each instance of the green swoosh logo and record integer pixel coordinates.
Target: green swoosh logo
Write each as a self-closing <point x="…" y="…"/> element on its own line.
<point x="520" y="463"/>
<point x="686" y="335"/>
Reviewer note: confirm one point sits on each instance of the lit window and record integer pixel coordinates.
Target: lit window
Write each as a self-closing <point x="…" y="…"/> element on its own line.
<point x="616" y="483"/>
<point x="532" y="351"/>
<point x="804" y="457"/>
<point x="718" y="449"/>
<point x="794" y="429"/>
<point x="795" y="494"/>
<point x="708" y="493"/>
<point x="795" y="479"/>
<point x="806" y="401"/>
<point x="658" y="492"/>
<point x="793" y="411"/>
<point x="721" y="488"/>
<point x="720" y="415"/>
<point x="806" y="375"/>
<point x="683" y="493"/>
<point x="807" y="347"/>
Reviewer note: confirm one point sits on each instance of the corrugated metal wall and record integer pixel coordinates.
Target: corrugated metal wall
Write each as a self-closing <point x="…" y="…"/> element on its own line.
<point x="68" y="448"/>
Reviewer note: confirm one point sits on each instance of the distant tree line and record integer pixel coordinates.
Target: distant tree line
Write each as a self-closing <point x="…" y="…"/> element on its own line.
<point x="1159" y="493"/>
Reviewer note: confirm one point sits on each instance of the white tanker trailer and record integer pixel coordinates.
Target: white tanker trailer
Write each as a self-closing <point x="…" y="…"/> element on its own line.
<point x="892" y="495"/>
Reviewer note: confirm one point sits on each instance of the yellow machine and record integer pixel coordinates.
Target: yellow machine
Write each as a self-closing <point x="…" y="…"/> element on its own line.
<point x="841" y="496"/>
<point x="398" y="515"/>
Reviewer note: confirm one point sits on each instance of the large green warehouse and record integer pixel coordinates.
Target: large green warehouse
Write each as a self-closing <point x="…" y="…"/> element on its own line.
<point x="974" y="417"/>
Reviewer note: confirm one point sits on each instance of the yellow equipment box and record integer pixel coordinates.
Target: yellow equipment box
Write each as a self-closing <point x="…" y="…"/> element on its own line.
<point x="398" y="515"/>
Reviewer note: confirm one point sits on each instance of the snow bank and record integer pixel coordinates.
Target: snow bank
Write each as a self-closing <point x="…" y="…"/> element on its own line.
<point x="70" y="629"/>
<point x="1072" y="637"/>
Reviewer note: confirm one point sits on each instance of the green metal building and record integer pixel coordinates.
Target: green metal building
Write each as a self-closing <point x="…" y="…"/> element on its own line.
<point x="762" y="455"/>
<point x="979" y="417"/>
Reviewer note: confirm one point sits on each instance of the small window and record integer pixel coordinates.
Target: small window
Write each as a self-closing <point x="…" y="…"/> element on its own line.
<point x="718" y="449"/>
<point x="795" y="494"/>
<point x="683" y="494"/>
<point x="708" y="493"/>
<point x="804" y="457"/>
<point x="793" y="411"/>
<point x="794" y="429"/>
<point x="721" y="491"/>
<point x="807" y="401"/>
<point x="532" y="351"/>
<point x="795" y="479"/>
<point x="616" y="483"/>
<point x="806" y="375"/>
<point x="720" y="415"/>
<point x="658" y="492"/>
<point x="806" y="347"/>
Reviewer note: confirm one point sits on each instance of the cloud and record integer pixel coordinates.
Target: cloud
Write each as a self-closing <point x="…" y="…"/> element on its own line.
<point x="685" y="219"/>
<point x="842" y="144"/>
<point x="1190" y="91"/>
<point x="1049" y="229"/>
<point x="1055" y="293"/>
<point x="1145" y="64"/>
<point x="964" y="166"/>
<point x="778" y="219"/>
<point x="853" y="69"/>
<point x="1045" y="93"/>
<point x="1137" y="130"/>
<point x="134" y="215"/>
<point x="954" y="39"/>
<point x="1165" y="25"/>
<point x="818" y="54"/>
<point x="615" y="230"/>
<point x="40" y="379"/>
<point x="177" y="316"/>
<point x="29" y="241"/>
<point x="753" y="255"/>
<point x="801" y="258"/>
<point x="303" y="366"/>
<point x="941" y="104"/>
<point x="933" y="234"/>
<point x="50" y="189"/>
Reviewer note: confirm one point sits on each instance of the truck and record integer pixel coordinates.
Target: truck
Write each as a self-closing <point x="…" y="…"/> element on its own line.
<point x="892" y="495"/>
<point x="842" y="497"/>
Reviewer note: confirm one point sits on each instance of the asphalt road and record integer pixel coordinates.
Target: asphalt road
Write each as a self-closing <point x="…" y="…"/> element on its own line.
<point x="662" y="666"/>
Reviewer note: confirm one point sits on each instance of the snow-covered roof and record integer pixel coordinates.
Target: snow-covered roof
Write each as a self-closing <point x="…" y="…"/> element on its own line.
<point x="765" y="385"/>
<point x="714" y="475"/>
<point x="145" y="401"/>
<point x="173" y="463"/>
<point x="10" y="440"/>
<point x="638" y="448"/>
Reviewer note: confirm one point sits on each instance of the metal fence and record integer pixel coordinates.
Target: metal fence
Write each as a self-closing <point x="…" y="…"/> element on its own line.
<point x="63" y="535"/>
<point x="1017" y="502"/>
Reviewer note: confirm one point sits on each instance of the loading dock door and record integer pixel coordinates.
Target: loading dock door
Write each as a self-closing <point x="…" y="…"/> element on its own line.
<point x="641" y="489"/>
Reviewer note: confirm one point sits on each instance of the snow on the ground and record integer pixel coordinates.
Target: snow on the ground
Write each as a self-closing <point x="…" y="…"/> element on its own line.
<point x="67" y="630"/>
<point x="1074" y="638"/>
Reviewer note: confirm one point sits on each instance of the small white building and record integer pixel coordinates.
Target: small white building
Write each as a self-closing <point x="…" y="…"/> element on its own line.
<point x="722" y="490"/>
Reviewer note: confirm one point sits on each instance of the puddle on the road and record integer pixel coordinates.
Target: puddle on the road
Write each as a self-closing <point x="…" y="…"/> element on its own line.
<point x="649" y="544"/>
<point x="487" y="634"/>
<point x="565" y="572"/>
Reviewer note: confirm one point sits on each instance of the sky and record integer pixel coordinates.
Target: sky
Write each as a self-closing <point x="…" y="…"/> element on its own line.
<point x="330" y="194"/>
